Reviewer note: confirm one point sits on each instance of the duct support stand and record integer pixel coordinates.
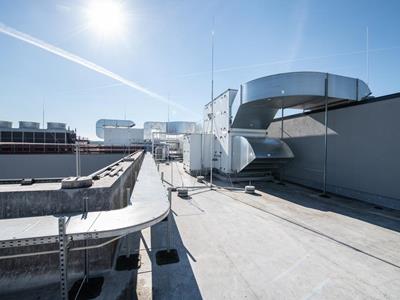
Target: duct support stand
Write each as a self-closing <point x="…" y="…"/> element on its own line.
<point x="249" y="189"/>
<point x="183" y="192"/>
<point x="280" y="182"/>
<point x="200" y="179"/>
<point x="128" y="261"/>
<point x="168" y="256"/>
<point x="324" y="194"/>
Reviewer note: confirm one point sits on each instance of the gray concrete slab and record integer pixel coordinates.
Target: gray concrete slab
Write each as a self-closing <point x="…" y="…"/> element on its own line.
<point x="285" y="243"/>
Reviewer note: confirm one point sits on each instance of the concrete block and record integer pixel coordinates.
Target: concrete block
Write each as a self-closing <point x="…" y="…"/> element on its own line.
<point x="200" y="179"/>
<point x="76" y="182"/>
<point x="249" y="189"/>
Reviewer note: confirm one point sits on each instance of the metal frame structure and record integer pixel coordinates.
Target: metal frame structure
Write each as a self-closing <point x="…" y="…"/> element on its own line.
<point x="164" y="139"/>
<point x="63" y="255"/>
<point x="149" y="206"/>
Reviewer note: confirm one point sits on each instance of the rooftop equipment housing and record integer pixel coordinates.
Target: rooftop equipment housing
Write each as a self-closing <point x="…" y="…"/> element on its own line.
<point x="29" y="125"/>
<point x="5" y="124"/>
<point x="174" y="127"/>
<point x="103" y="123"/>
<point x="31" y="133"/>
<point x="56" y="126"/>
<point x="241" y="118"/>
<point x="180" y="127"/>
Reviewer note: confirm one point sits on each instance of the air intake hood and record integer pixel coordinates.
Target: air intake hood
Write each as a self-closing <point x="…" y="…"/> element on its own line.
<point x="255" y="154"/>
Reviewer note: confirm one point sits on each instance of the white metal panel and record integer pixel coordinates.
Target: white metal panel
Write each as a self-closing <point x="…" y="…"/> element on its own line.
<point x="196" y="152"/>
<point x="222" y="120"/>
<point x="123" y="136"/>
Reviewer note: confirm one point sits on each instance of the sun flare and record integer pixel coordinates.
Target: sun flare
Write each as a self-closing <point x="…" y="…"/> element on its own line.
<point x="106" y="17"/>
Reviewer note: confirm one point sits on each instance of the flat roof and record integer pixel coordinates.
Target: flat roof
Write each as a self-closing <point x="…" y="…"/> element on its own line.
<point x="285" y="242"/>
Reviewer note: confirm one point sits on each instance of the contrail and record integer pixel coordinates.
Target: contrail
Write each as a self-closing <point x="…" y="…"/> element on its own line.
<point x="86" y="63"/>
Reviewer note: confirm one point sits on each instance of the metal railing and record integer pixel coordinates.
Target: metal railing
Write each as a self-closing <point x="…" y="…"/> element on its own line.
<point x="50" y="148"/>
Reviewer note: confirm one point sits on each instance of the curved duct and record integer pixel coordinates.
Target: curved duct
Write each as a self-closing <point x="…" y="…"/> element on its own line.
<point x="259" y="100"/>
<point x="102" y="123"/>
<point x="256" y="154"/>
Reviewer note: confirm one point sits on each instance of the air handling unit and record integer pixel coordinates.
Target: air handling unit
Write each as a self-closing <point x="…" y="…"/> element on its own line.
<point x="242" y="148"/>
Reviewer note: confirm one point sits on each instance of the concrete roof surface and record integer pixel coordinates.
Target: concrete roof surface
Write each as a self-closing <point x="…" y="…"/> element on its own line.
<point x="285" y="242"/>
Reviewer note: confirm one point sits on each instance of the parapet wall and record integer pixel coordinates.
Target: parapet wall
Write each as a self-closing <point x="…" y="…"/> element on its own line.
<point x="107" y="193"/>
<point x="41" y="199"/>
<point x="363" y="150"/>
<point x="16" y="166"/>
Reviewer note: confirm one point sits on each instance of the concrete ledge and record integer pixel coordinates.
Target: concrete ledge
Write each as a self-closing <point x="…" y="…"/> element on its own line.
<point x="149" y="206"/>
<point x="101" y="191"/>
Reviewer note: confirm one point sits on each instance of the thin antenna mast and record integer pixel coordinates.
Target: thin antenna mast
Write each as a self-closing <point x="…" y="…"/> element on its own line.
<point x="212" y="106"/>
<point x="367" y="54"/>
<point x="43" y="113"/>
<point x="168" y="109"/>
<point x="167" y="127"/>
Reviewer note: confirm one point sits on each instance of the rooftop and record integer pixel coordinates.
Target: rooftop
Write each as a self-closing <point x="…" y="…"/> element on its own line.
<point x="285" y="242"/>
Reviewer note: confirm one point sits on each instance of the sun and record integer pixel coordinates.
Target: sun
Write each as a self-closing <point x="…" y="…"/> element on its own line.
<point x="106" y="17"/>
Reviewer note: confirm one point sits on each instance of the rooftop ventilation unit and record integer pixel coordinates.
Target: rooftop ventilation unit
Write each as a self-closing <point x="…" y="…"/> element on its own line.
<point x="180" y="127"/>
<point x="5" y="124"/>
<point x="56" y="126"/>
<point x="102" y="123"/>
<point x="241" y="118"/>
<point x="29" y="125"/>
<point x="259" y="100"/>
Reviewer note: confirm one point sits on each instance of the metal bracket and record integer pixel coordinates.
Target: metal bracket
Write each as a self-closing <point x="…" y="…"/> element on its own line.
<point x="63" y="255"/>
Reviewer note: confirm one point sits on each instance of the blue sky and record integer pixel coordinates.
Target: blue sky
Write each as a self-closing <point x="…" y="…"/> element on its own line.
<point x="165" y="47"/>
